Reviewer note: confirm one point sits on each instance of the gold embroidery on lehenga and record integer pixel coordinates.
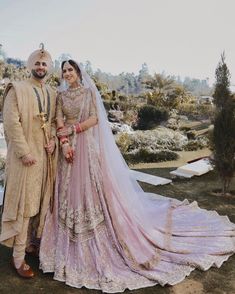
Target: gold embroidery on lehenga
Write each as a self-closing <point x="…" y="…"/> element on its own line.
<point x="168" y="228"/>
<point x="80" y="221"/>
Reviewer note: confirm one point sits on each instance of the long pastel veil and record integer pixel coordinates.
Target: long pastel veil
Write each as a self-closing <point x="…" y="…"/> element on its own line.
<point x="149" y="228"/>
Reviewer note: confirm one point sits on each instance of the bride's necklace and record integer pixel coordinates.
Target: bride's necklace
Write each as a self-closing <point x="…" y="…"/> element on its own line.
<point x="75" y="92"/>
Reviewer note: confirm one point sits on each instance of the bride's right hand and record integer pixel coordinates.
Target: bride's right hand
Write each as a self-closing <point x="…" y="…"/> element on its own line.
<point x="65" y="131"/>
<point x="68" y="152"/>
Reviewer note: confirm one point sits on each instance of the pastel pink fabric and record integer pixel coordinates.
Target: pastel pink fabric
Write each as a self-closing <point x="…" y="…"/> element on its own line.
<point x="106" y="233"/>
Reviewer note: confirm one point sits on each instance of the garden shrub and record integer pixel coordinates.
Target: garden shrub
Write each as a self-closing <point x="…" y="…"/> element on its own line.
<point x="150" y="116"/>
<point x="158" y="139"/>
<point x="197" y="143"/>
<point x="191" y="135"/>
<point x="119" y="105"/>
<point x="107" y="104"/>
<point x="124" y="141"/>
<point x="146" y="155"/>
<point x="196" y="111"/>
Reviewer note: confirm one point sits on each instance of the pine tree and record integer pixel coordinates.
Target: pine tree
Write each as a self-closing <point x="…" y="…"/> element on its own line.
<point x="224" y="126"/>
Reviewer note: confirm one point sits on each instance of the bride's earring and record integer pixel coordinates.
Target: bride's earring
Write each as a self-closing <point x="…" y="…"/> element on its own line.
<point x="79" y="81"/>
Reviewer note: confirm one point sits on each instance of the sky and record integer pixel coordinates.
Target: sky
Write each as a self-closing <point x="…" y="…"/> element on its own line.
<point x="177" y="37"/>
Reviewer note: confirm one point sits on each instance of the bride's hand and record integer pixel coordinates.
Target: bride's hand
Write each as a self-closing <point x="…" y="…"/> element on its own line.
<point x="65" y="131"/>
<point x="68" y="152"/>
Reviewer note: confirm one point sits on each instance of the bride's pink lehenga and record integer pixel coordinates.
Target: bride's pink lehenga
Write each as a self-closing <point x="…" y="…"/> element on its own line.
<point x="106" y="233"/>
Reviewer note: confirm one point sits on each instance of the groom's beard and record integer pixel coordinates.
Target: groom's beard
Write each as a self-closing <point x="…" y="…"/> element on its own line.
<point x="39" y="76"/>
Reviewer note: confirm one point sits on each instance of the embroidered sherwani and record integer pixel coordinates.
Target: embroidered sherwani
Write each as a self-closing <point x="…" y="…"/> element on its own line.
<point x="27" y="190"/>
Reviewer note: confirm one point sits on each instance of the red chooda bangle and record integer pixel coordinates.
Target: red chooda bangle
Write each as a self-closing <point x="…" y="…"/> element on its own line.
<point x="63" y="140"/>
<point x="78" y="128"/>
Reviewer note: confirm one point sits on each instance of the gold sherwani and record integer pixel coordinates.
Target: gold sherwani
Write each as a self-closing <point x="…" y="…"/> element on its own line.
<point x="27" y="191"/>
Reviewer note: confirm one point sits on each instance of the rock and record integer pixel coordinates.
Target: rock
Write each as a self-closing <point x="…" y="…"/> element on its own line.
<point x="173" y="123"/>
<point x="115" y="116"/>
<point x="183" y="117"/>
<point x="120" y="128"/>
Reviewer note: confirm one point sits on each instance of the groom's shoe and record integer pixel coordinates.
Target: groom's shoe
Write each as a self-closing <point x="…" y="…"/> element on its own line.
<point x="24" y="270"/>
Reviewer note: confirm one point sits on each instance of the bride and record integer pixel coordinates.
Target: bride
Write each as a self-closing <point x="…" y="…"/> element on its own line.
<point x="105" y="232"/>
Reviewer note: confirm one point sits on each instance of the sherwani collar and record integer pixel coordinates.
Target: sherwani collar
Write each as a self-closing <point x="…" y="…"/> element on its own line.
<point x="36" y="82"/>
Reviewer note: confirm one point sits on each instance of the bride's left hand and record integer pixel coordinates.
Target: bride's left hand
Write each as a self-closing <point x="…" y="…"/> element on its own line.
<point x="68" y="152"/>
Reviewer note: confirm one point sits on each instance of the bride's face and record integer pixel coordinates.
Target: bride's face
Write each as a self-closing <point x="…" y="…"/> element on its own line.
<point x="69" y="74"/>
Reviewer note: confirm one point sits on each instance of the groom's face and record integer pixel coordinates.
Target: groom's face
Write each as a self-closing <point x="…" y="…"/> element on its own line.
<point x="39" y="70"/>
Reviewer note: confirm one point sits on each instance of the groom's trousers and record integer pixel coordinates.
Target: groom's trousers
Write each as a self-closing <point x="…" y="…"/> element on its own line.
<point x="20" y="243"/>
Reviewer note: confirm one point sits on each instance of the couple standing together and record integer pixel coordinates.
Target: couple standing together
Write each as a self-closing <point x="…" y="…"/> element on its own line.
<point x="95" y="226"/>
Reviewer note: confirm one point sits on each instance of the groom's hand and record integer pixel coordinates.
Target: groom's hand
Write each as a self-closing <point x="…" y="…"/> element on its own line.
<point x="50" y="147"/>
<point x="28" y="160"/>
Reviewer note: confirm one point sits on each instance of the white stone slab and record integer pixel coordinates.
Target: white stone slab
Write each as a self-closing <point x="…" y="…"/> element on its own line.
<point x="150" y="179"/>
<point x="180" y="174"/>
<point x="196" y="168"/>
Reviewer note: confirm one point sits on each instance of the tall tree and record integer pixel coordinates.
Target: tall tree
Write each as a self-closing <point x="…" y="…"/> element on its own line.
<point x="224" y="126"/>
<point x="222" y="93"/>
<point x="143" y="76"/>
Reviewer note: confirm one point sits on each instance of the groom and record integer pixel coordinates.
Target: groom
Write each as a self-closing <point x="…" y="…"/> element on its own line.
<point x="30" y="143"/>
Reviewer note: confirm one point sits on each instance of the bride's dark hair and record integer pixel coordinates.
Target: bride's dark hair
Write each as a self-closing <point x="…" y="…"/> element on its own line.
<point x="74" y="65"/>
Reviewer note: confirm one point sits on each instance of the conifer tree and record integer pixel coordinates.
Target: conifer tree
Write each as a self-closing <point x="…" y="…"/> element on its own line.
<point x="224" y="126"/>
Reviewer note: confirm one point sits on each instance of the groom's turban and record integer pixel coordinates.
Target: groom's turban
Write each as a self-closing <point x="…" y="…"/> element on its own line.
<point x="40" y="55"/>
